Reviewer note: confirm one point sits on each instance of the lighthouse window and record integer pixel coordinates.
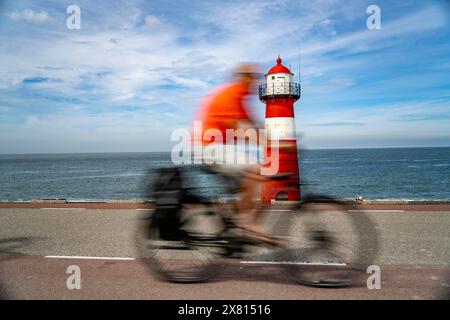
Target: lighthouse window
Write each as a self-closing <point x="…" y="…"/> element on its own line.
<point x="273" y="77"/>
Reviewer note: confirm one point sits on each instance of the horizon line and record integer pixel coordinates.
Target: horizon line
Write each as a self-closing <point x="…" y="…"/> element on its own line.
<point x="110" y="152"/>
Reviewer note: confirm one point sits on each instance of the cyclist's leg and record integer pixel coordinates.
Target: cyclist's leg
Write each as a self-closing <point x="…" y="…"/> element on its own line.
<point x="249" y="206"/>
<point x="249" y="209"/>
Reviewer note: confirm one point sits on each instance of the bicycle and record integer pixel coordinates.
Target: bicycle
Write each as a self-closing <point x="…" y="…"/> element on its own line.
<point x="188" y="237"/>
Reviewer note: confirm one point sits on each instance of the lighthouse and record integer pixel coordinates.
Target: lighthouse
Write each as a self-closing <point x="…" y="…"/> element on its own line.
<point x="279" y="92"/>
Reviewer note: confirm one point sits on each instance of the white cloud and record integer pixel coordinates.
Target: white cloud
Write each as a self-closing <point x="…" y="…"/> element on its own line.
<point x="152" y="21"/>
<point x="390" y="125"/>
<point x="30" y="15"/>
<point x="426" y="19"/>
<point x="143" y="57"/>
<point x="332" y="85"/>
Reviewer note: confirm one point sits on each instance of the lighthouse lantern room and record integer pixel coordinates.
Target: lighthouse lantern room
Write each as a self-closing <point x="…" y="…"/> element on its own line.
<point x="280" y="82"/>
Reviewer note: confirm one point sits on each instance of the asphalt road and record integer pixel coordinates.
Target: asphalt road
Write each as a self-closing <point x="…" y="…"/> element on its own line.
<point x="38" y="245"/>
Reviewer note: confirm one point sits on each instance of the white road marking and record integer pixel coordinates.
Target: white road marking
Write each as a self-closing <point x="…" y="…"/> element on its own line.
<point x="243" y="262"/>
<point x="376" y="210"/>
<point x="70" y="209"/>
<point x="295" y="263"/>
<point x="89" y="258"/>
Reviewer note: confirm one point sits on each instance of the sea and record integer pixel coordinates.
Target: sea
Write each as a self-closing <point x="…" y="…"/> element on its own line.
<point x="375" y="174"/>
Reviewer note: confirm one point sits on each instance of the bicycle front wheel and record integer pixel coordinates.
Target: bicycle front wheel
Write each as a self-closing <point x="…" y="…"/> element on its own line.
<point x="330" y="243"/>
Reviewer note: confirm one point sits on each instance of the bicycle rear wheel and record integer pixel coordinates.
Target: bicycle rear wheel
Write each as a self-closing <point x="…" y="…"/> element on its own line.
<point x="195" y="256"/>
<point x="330" y="243"/>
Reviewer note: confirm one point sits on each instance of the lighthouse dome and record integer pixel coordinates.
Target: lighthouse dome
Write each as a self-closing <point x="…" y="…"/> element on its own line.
<point x="279" y="68"/>
<point x="279" y="83"/>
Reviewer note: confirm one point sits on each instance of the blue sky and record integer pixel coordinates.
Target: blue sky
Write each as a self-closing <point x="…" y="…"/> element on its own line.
<point x="136" y="70"/>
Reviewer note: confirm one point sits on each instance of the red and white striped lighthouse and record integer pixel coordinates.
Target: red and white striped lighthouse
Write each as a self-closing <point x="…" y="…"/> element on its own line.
<point x="279" y="94"/>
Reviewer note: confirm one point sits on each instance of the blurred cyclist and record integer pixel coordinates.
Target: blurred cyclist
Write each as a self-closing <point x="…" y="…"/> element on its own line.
<point x="226" y="109"/>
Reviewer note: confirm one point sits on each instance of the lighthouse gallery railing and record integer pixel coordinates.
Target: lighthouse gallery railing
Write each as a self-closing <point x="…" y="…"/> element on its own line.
<point x="279" y="89"/>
